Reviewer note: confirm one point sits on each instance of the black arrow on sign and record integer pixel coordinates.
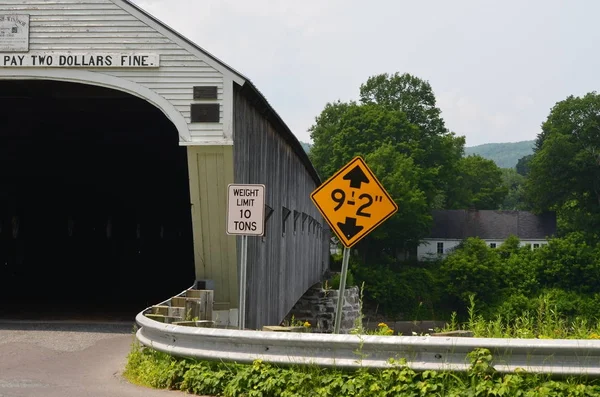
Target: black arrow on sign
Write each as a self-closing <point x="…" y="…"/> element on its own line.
<point x="350" y="229"/>
<point x="356" y="177"/>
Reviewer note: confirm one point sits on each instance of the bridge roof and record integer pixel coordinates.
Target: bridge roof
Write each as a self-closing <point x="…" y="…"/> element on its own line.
<point x="492" y="225"/>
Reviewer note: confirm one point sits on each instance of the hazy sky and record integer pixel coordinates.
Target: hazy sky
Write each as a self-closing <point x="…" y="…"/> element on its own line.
<point x="496" y="67"/>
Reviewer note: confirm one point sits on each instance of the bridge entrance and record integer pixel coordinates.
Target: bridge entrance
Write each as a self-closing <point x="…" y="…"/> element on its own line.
<point x="95" y="213"/>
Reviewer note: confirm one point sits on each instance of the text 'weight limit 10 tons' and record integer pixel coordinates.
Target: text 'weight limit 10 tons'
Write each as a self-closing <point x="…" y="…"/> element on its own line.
<point x="353" y="202"/>
<point x="245" y="209"/>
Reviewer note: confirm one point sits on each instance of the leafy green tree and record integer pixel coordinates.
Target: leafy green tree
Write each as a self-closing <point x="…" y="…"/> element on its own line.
<point x="345" y="130"/>
<point x="478" y="184"/>
<point x="522" y="166"/>
<point x="408" y="93"/>
<point x="400" y="177"/>
<point x="514" y="184"/>
<point x="400" y="133"/>
<point x="439" y="148"/>
<point x="565" y="168"/>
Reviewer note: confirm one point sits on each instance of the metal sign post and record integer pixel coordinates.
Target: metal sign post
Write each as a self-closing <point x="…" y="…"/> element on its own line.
<point x="245" y="217"/>
<point x="354" y="203"/>
<point x="340" y="302"/>
<point x="243" y="267"/>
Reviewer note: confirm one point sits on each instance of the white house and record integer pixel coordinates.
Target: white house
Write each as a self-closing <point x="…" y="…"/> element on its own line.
<point x="450" y="227"/>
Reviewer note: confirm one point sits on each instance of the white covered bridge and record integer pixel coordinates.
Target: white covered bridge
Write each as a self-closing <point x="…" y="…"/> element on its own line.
<point x="118" y="138"/>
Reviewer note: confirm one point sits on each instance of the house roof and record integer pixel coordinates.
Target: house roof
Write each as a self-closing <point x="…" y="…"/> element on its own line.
<point x="491" y="225"/>
<point x="249" y="89"/>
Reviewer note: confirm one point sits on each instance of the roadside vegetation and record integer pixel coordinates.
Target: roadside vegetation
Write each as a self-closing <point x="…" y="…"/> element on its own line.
<point x="507" y="284"/>
<point x="154" y="369"/>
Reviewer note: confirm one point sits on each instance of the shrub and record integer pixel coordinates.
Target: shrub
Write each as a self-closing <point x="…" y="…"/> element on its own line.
<point x="335" y="280"/>
<point x="473" y="269"/>
<point x="570" y="263"/>
<point x="411" y="291"/>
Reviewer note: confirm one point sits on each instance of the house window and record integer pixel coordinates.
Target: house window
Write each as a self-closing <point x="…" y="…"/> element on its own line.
<point x="492" y="245"/>
<point x="535" y="246"/>
<point x="440" y="248"/>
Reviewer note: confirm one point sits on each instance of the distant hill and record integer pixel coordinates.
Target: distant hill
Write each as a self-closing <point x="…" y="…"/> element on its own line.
<point x="306" y="146"/>
<point x="505" y="155"/>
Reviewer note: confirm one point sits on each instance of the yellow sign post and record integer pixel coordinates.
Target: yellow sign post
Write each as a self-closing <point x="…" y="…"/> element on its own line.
<point x="354" y="203"/>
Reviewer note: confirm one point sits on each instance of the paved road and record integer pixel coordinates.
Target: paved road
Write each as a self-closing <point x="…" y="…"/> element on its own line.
<point x="67" y="360"/>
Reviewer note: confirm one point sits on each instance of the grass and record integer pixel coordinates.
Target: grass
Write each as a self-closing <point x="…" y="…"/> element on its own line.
<point x="545" y="323"/>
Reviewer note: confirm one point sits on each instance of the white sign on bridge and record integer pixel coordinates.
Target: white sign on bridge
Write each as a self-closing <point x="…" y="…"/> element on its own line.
<point x="14" y="33"/>
<point x="246" y="210"/>
<point x="55" y="59"/>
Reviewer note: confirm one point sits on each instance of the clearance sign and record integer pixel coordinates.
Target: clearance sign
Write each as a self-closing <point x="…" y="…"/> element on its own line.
<point x="353" y="202"/>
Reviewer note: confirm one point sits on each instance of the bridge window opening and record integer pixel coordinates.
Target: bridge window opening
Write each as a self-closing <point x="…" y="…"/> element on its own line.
<point x="285" y="215"/>
<point x="268" y="213"/>
<point x="296" y="216"/>
<point x="94" y="202"/>
<point x="304" y="217"/>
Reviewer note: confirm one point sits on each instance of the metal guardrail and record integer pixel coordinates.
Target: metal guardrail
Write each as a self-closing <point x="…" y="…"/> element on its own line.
<point x="549" y="356"/>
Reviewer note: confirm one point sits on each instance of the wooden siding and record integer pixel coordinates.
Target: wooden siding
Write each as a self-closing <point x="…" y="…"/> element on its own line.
<point x="211" y="170"/>
<point x="104" y="26"/>
<point x="281" y="266"/>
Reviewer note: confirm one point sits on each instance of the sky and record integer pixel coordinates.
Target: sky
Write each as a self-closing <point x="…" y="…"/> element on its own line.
<point x="496" y="67"/>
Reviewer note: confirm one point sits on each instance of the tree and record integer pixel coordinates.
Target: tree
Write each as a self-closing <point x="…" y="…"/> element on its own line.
<point x="440" y="149"/>
<point x="397" y="127"/>
<point x="514" y="184"/>
<point x="345" y="130"/>
<point x="478" y="184"/>
<point x="386" y="141"/>
<point x="565" y="168"/>
<point x="399" y="175"/>
<point x="523" y="165"/>
<point x="408" y="93"/>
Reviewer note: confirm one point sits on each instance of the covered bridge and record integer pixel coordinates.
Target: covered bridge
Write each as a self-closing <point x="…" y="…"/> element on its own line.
<point x="118" y="138"/>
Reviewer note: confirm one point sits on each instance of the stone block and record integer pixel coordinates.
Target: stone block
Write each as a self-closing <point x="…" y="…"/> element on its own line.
<point x="177" y="312"/>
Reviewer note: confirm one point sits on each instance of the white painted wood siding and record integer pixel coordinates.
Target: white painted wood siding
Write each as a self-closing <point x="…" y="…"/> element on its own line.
<point x="427" y="250"/>
<point x="107" y="26"/>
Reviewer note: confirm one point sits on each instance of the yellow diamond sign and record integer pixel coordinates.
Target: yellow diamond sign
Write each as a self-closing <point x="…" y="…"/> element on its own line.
<point x="353" y="202"/>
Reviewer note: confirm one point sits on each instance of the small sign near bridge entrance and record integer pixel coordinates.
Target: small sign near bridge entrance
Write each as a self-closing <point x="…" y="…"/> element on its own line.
<point x="353" y="202"/>
<point x="246" y="210"/>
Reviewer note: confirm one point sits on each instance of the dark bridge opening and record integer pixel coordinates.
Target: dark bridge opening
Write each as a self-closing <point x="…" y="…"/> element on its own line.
<point x="94" y="203"/>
